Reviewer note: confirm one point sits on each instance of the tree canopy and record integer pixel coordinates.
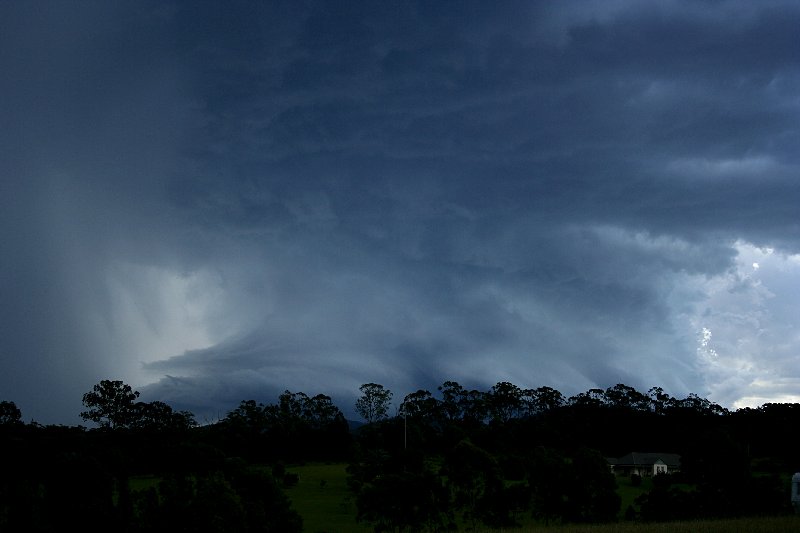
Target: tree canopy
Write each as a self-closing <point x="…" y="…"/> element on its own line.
<point x="373" y="405"/>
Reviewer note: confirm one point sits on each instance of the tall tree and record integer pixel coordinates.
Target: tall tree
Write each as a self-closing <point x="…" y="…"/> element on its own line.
<point x="590" y="398"/>
<point x="660" y="401"/>
<point x="322" y="411"/>
<point x="10" y="415"/>
<point x="373" y="405"/>
<point x="546" y="398"/>
<point x="420" y="404"/>
<point x="110" y="404"/>
<point x="405" y="501"/>
<point x="473" y="406"/>
<point x="159" y="416"/>
<point x="504" y="401"/>
<point x="249" y="416"/>
<point x="475" y="478"/>
<point x="626" y="397"/>
<point x="452" y="394"/>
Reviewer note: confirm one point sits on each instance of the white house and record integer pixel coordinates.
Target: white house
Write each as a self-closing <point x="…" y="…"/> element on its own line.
<point x="645" y="464"/>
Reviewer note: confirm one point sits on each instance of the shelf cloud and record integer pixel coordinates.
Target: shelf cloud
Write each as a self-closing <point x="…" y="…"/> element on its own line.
<point x="217" y="202"/>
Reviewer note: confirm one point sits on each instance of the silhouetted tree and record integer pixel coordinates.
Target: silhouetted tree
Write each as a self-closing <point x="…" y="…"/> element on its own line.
<point x="659" y="400"/>
<point x="321" y="412"/>
<point x="576" y="488"/>
<point x="249" y="416"/>
<point x="473" y="407"/>
<point x="110" y="404"/>
<point x="452" y="403"/>
<point x="474" y="477"/>
<point x="420" y="404"/>
<point x="700" y="405"/>
<point x="373" y="405"/>
<point x="541" y="399"/>
<point x="158" y="416"/>
<point x="238" y="498"/>
<point x="548" y="480"/>
<point x="624" y="397"/>
<point x="504" y="402"/>
<point x="590" y="398"/>
<point x="414" y="501"/>
<point x="592" y="495"/>
<point x="10" y="415"/>
<point x="422" y="420"/>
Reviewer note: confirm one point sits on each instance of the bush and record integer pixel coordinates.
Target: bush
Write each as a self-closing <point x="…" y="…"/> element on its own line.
<point x="278" y="470"/>
<point x="662" y="480"/>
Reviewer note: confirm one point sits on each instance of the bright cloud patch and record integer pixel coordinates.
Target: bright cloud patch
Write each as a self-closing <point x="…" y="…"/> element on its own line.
<point x="751" y="356"/>
<point x="156" y="313"/>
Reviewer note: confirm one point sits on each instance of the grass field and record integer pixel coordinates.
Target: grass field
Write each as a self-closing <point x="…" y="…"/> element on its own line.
<point x="785" y="524"/>
<point x="322" y="499"/>
<point x="628" y="493"/>
<point x="139" y="483"/>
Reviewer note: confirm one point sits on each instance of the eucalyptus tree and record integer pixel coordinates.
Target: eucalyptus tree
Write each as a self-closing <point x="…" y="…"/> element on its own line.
<point x="158" y="416"/>
<point x="590" y="398"/>
<point x="660" y="401"/>
<point x="626" y="397"/>
<point x="504" y="401"/>
<point x="373" y="404"/>
<point x="452" y="403"/>
<point x="420" y="404"/>
<point x="543" y="399"/>
<point x="321" y="411"/>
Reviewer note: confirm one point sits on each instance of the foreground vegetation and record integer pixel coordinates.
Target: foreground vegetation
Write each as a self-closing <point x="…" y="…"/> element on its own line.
<point x="506" y="459"/>
<point x="326" y="505"/>
<point x="783" y="524"/>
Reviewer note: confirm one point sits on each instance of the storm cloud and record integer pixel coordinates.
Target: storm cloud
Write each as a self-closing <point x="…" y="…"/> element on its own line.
<point x="218" y="201"/>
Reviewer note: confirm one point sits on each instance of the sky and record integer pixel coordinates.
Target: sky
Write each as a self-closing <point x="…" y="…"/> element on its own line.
<point x="219" y="201"/>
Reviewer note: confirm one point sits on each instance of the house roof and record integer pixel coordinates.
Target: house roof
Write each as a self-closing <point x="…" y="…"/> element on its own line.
<point x="672" y="460"/>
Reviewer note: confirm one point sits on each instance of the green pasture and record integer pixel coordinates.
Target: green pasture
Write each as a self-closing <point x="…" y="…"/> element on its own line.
<point x="783" y="524"/>
<point x="326" y="505"/>
<point x="139" y="483"/>
<point x="628" y="492"/>
<point x="323" y="500"/>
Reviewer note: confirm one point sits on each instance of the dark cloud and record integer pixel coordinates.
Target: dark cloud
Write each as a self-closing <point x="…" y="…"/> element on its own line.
<point x="218" y="202"/>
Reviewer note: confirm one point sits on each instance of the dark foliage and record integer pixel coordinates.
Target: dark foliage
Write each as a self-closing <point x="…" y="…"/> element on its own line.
<point x="297" y="428"/>
<point x="464" y="457"/>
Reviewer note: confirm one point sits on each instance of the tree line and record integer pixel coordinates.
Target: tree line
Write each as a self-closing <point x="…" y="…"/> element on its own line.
<point x="458" y="458"/>
<point x="505" y="400"/>
<point x="493" y="456"/>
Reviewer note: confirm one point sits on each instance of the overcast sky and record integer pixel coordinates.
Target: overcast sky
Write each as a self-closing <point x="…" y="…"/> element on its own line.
<point x="218" y="201"/>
